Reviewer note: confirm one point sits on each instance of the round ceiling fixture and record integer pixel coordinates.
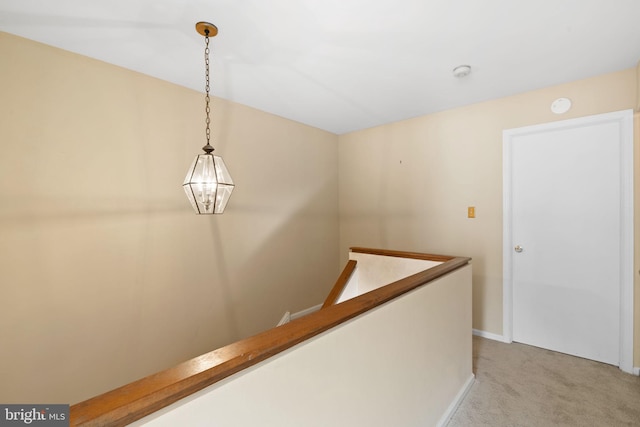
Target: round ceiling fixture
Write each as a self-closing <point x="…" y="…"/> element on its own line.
<point x="561" y="105"/>
<point x="462" y="71"/>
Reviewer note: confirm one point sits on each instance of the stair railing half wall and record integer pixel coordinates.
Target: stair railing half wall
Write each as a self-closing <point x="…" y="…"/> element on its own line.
<point x="141" y="398"/>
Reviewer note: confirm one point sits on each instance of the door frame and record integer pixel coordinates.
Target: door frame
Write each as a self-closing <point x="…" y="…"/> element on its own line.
<point x="624" y="119"/>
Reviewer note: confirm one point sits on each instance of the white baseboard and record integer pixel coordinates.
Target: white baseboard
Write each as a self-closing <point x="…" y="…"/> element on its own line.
<point x="453" y="406"/>
<point x="636" y="371"/>
<point x="489" y="335"/>
<point x="286" y="318"/>
<point x="306" y="311"/>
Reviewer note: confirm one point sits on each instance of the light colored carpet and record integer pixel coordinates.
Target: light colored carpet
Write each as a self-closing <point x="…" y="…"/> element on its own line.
<point x="520" y="385"/>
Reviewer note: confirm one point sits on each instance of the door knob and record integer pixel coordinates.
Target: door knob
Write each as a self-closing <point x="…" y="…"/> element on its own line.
<point x="518" y="248"/>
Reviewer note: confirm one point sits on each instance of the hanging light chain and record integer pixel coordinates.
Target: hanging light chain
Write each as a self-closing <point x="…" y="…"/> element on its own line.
<point x="207" y="148"/>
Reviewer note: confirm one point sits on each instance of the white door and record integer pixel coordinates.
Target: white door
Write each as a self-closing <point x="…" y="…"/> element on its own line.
<point x="568" y="207"/>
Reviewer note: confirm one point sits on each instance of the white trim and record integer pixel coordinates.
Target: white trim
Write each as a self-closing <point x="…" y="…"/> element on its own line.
<point x="626" y="243"/>
<point x="306" y="311"/>
<point x="636" y="371"/>
<point x="286" y="318"/>
<point x="490" y="335"/>
<point x="453" y="406"/>
<point x="625" y="119"/>
<point x="507" y="272"/>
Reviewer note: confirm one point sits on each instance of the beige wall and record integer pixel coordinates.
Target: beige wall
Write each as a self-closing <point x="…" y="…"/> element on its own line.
<point x="407" y="185"/>
<point x="106" y="274"/>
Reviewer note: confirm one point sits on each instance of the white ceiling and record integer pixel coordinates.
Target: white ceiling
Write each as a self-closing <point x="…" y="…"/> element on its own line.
<point x="344" y="65"/>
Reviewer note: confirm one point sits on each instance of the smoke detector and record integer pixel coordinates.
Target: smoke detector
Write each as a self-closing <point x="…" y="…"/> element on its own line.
<point x="561" y="105"/>
<point x="461" y="71"/>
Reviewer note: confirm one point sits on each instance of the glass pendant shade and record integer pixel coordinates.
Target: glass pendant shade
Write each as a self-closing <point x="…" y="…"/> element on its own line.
<point x="208" y="184"/>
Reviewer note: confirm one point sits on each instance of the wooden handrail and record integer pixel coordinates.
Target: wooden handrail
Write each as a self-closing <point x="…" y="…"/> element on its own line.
<point x="340" y="283"/>
<point x="138" y="399"/>
<point x="402" y="254"/>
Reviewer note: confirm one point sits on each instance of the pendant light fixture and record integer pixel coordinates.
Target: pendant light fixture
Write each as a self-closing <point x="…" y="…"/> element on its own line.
<point x="208" y="184"/>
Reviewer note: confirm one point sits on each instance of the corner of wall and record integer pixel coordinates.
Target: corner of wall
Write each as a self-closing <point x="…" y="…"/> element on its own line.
<point x="638" y="87"/>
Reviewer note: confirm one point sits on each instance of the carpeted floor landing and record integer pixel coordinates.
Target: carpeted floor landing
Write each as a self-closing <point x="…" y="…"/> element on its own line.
<point x="519" y="385"/>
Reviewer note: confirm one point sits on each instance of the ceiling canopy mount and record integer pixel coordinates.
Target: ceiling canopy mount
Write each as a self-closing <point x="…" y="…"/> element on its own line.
<point x="202" y="28"/>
